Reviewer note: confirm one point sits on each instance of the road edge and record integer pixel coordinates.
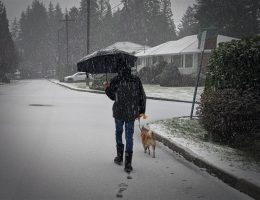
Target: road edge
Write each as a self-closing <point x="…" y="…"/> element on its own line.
<point x="102" y="92"/>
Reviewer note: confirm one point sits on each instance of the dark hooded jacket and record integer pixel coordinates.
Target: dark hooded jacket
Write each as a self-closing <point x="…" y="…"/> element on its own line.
<point x="129" y="96"/>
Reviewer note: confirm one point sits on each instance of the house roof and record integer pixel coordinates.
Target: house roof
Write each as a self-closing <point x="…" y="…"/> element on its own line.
<point x="188" y="44"/>
<point x="129" y="47"/>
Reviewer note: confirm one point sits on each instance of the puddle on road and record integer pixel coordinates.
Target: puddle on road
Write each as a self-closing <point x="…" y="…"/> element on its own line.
<point x="41" y="105"/>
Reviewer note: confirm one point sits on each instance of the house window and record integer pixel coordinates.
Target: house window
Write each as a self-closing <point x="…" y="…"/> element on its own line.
<point x="177" y="60"/>
<point x="139" y="61"/>
<point x="160" y="59"/>
<point x="188" y="60"/>
<point x="154" y="58"/>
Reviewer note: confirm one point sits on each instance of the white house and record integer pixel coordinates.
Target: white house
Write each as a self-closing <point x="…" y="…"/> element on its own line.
<point x="184" y="53"/>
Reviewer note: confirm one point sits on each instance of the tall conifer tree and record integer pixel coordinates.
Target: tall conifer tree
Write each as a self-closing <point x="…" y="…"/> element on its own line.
<point x="235" y="18"/>
<point x="189" y="24"/>
<point x="8" y="58"/>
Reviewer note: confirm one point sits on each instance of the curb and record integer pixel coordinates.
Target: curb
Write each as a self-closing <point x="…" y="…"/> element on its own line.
<point x="102" y="92"/>
<point x="79" y="90"/>
<point x="164" y="99"/>
<point x="240" y="184"/>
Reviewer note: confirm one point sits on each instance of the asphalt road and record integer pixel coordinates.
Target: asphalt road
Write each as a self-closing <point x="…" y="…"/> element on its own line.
<point x="58" y="144"/>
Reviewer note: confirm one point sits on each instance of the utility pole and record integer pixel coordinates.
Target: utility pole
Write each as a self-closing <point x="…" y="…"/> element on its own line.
<point x="67" y="20"/>
<point x="88" y="25"/>
<point x="58" y="68"/>
<point x="58" y="57"/>
<point x="88" y="31"/>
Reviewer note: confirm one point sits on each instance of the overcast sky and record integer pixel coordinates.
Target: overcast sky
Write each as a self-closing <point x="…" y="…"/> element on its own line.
<point x="15" y="7"/>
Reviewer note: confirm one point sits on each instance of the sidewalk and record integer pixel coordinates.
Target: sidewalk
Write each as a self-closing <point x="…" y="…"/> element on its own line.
<point x="223" y="162"/>
<point x="232" y="166"/>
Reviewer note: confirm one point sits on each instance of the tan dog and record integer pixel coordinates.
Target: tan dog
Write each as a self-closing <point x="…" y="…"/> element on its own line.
<point x="148" y="140"/>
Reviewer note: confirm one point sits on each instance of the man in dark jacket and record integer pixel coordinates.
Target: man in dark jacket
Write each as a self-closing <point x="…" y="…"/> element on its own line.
<point x="129" y="98"/>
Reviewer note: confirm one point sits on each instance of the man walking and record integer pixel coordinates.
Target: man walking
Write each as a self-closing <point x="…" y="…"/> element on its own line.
<point x="126" y="90"/>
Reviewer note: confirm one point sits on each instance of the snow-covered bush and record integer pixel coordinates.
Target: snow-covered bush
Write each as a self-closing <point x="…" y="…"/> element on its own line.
<point x="170" y="76"/>
<point x="150" y="75"/>
<point x="230" y="104"/>
<point x="166" y="75"/>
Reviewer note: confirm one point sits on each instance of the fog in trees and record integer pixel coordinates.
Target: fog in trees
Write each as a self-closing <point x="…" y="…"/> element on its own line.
<point x="39" y="28"/>
<point x="40" y="35"/>
<point x="8" y="55"/>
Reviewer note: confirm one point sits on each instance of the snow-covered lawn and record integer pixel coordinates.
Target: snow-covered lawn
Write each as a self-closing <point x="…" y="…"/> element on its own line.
<point x="190" y="134"/>
<point x="175" y="93"/>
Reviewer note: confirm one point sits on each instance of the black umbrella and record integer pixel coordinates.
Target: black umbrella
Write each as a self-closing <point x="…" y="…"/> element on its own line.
<point x="106" y="61"/>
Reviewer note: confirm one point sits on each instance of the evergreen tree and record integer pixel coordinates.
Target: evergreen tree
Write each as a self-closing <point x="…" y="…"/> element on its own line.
<point x="169" y="26"/>
<point x="52" y="37"/>
<point x="107" y="35"/>
<point x="152" y="16"/>
<point x="34" y="36"/>
<point x="146" y="22"/>
<point x="189" y="24"/>
<point x="8" y="58"/>
<point x="54" y="25"/>
<point x="58" y="15"/>
<point x="235" y="18"/>
<point x="74" y="34"/>
<point x="159" y="23"/>
<point x="15" y="30"/>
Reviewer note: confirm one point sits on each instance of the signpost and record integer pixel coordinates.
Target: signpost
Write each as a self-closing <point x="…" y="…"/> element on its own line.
<point x="201" y="47"/>
<point x="207" y="40"/>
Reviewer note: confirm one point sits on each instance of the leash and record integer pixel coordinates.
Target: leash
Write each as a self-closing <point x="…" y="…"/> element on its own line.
<point x="141" y="116"/>
<point x="139" y="124"/>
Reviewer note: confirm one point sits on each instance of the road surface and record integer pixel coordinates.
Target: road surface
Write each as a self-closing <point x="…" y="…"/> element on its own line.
<point x="58" y="144"/>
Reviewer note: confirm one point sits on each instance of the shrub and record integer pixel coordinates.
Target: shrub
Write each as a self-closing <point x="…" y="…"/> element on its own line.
<point x="235" y="64"/>
<point x="230" y="104"/>
<point x="167" y="75"/>
<point x="149" y="75"/>
<point x="170" y="76"/>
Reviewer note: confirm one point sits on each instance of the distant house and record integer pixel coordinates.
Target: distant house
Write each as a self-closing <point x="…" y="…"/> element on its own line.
<point x="129" y="47"/>
<point x="184" y="53"/>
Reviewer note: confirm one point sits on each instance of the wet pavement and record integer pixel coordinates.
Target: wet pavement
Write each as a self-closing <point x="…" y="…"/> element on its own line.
<point x="58" y="144"/>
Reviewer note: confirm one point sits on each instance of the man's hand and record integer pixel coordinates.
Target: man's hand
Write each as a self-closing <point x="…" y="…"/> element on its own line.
<point x="106" y="84"/>
<point x="142" y="115"/>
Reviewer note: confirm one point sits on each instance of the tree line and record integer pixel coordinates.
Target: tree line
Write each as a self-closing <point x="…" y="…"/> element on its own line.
<point x="8" y="55"/>
<point x="39" y="34"/>
<point x="234" y="18"/>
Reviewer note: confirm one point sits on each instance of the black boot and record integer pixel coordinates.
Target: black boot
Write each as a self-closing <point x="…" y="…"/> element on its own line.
<point x="128" y="161"/>
<point x="120" y="152"/>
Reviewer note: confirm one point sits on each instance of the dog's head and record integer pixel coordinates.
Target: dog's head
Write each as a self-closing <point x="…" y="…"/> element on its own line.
<point x="145" y="132"/>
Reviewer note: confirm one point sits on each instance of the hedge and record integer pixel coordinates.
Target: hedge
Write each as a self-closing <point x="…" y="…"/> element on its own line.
<point x="230" y="103"/>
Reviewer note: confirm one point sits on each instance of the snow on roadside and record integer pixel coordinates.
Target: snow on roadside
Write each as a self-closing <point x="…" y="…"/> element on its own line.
<point x="175" y="93"/>
<point x="224" y="157"/>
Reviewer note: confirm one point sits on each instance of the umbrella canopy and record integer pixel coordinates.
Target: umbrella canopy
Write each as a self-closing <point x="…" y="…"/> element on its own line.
<point x="106" y="61"/>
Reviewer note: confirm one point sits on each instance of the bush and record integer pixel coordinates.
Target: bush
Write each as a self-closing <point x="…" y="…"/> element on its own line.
<point x="97" y="80"/>
<point x="149" y="75"/>
<point x="230" y="104"/>
<point x="167" y="75"/>
<point x="170" y="76"/>
<point x="229" y="115"/>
